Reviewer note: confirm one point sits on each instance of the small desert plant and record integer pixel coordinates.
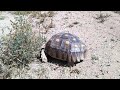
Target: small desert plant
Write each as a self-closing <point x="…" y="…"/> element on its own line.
<point x="93" y="57"/>
<point x="21" y="12"/>
<point x="101" y="18"/>
<point x="44" y="20"/>
<point x="19" y="45"/>
<point x="117" y="12"/>
<point x="39" y="14"/>
<point x="2" y="17"/>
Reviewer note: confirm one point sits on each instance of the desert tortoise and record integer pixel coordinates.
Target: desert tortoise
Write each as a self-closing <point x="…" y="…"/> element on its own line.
<point x="66" y="47"/>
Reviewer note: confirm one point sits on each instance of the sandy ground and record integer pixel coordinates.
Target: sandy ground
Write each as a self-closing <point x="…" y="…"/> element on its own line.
<point x="102" y="40"/>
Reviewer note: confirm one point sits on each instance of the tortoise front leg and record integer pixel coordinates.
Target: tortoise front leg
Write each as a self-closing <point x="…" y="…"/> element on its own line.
<point x="43" y="57"/>
<point x="70" y="62"/>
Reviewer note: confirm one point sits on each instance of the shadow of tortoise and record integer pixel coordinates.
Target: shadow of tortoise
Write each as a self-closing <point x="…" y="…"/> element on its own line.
<point x="61" y="62"/>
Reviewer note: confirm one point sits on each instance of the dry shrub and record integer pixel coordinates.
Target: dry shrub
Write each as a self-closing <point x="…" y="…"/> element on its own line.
<point x="18" y="47"/>
<point x="21" y="12"/>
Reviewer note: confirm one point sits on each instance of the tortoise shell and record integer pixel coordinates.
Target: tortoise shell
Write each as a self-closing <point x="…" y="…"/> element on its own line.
<point x="66" y="47"/>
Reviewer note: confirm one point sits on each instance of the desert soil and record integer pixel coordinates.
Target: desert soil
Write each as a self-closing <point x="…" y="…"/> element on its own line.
<point x="102" y="40"/>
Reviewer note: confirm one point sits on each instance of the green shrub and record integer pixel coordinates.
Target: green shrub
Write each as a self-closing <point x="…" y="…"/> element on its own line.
<point x="19" y="46"/>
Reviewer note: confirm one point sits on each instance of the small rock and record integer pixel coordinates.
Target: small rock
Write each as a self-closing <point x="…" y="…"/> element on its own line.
<point x="105" y="40"/>
<point x="70" y="26"/>
<point x="97" y="76"/>
<point x="108" y="65"/>
<point x="101" y="70"/>
<point x="111" y="27"/>
<point x="118" y="61"/>
<point x="76" y="23"/>
<point x="75" y="71"/>
<point x="112" y="39"/>
<point x="102" y="73"/>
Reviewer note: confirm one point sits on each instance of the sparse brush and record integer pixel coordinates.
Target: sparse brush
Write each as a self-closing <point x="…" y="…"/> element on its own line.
<point x="21" y="12"/>
<point x="2" y="17"/>
<point x="41" y="15"/>
<point x="50" y="14"/>
<point x="93" y="57"/>
<point x="117" y="12"/>
<point x="102" y="18"/>
<point x="36" y="14"/>
<point x="44" y="19"/>
<point x="19" y="46"/>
